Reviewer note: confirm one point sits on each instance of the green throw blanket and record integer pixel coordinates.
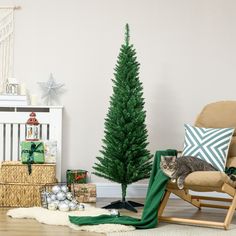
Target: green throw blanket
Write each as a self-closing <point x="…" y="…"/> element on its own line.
<point x="156" y="190"/>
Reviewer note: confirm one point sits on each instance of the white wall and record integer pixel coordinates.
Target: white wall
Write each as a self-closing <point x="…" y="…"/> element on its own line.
<point x="187" y="51"/>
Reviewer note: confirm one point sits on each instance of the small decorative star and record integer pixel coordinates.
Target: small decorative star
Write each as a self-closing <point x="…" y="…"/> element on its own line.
<point x="50" y="89"/>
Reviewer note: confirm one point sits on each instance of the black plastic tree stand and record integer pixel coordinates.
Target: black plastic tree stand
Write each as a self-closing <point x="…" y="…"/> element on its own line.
<point x="128" y="205"/>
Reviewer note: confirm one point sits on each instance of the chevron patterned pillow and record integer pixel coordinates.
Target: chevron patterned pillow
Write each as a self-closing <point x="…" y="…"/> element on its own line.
<point x="208" y="144"/>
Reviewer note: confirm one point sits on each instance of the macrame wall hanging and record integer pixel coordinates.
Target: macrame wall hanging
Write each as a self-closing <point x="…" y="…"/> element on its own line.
<point x="6" y="43"/>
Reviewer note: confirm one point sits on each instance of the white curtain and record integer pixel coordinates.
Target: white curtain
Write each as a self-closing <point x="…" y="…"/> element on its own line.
<point x="6" y="45"/>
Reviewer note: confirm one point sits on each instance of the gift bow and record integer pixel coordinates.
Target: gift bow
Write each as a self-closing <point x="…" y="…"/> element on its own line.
<point x="79" y="177"/>
<point x="33" y="149"/>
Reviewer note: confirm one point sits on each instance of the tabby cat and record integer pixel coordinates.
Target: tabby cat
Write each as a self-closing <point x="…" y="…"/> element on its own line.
<point x="179" y="168"/>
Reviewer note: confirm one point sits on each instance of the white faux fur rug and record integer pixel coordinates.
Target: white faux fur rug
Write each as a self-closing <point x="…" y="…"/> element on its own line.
<point x="61" y="218"/>
<point x="45" y="216"/>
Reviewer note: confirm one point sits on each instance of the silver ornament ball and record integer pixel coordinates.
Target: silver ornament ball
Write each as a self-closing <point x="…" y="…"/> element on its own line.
<point x="81" y="207"/>
<point x="56" y="189"/>
<point x="64" y="188"/>
<point x="69" y="195"/>
<point x="75" y="201"/>
<point x="56" y="202"/>
<point x="61" y="196"/>
<point x="52" y="206"/>
<point x="114" y="212"/>
<point x="64" y="207"/>
<point x="53" y="197"/>
<point x="73" y="206"/>
<point x="66" y="201"/>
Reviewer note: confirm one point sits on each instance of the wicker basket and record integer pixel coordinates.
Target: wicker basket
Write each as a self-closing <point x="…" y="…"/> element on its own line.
<point x="16" y="172"/>
<point x="20" y="195"/>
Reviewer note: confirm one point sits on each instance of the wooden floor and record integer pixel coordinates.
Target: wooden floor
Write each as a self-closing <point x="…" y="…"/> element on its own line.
<point x="22" y="227"/>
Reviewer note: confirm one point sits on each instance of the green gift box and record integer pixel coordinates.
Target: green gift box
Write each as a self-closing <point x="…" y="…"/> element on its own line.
<point x="32" y="152"/>
<point x="76" y="176"/>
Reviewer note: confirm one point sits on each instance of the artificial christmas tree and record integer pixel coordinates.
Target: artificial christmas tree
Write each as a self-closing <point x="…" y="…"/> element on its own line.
<point x="125" y="158"/>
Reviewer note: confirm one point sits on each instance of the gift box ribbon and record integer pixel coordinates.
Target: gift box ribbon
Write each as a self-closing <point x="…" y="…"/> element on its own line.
<point x="30" y="159"/>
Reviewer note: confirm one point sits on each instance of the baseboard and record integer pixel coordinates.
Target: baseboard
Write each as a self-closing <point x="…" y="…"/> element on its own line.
<point x="112" y="190"/>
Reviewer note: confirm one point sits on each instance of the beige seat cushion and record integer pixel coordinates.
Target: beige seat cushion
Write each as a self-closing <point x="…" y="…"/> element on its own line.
<point x="205" y="181"/>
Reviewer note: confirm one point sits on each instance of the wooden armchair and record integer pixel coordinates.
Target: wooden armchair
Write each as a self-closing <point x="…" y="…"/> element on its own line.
<point x="214" y="115"/>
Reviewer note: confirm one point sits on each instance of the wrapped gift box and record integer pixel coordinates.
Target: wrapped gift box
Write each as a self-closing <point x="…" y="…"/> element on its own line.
<point x="50" y="151"/>
<point x="76" y="176"/>
<point x="33" y="150"/>
<point x="84" y="192"/>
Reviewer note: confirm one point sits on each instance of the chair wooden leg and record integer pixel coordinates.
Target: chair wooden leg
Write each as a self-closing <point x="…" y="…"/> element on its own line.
<point x="163" y="203"/>
<point x="230" y="213"/>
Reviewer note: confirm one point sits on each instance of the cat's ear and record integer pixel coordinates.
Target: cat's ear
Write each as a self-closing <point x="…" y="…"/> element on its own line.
<point x="174" y="159"/>
<point x="163" y="158"/>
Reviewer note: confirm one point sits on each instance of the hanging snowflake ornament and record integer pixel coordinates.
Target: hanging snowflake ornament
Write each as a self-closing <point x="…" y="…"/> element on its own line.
<point x="50" y="89"/>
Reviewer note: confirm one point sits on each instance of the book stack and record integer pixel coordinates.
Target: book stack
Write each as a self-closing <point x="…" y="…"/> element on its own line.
<point x="13" y="100"/>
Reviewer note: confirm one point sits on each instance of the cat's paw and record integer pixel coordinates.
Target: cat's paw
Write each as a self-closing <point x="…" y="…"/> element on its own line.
<point x="173" y="180"/>
<point x="180" y="184"/>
